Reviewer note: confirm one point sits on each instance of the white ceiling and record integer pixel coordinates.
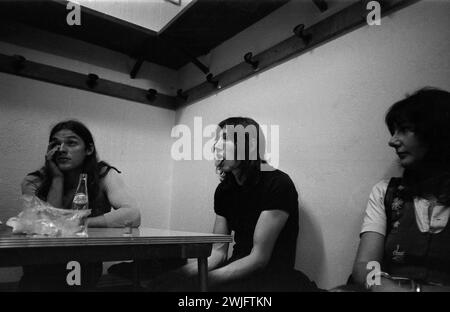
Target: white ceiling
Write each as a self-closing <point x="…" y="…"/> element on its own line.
<point x="150" y="14"/>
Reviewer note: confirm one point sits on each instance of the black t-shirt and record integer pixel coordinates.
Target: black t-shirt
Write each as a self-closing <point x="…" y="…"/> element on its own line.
<point x="242" y="206"/>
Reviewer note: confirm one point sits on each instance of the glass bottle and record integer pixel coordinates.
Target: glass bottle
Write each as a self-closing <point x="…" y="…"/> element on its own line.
<point x="81" y="202"/>
<point x="81" y="199"/>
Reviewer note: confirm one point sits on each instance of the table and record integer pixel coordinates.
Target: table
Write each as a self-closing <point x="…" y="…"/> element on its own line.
<point x="109" y="244"/>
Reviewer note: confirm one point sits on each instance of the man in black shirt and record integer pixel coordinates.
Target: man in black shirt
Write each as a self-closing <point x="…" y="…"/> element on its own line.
<point x="243" y="205"/>
<point x="260" y="205"/>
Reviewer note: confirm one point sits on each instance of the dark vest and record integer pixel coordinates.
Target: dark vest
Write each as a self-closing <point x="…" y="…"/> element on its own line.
<point x="424" y="257"/>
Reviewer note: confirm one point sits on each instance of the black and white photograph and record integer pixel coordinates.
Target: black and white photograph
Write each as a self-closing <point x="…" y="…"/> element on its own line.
<point x="223" y="153"/>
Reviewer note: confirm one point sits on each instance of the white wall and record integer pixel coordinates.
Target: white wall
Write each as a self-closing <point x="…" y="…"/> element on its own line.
<point x="329" y="104"/>
<point x="132" y="136"/>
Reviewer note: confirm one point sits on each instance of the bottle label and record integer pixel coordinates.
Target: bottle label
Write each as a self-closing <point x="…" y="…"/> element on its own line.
<point x="80" y="199"/>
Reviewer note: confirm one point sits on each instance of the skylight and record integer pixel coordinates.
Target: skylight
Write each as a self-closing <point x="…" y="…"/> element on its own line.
<point x="150" y="14"/>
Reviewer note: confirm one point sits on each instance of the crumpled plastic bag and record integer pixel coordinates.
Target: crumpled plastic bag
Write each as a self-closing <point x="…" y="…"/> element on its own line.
<point x="41" y="218"/>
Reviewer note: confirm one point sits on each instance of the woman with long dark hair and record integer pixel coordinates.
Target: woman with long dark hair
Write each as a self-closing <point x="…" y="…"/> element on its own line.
<point x="71" y="151"/>
<point x="405" y="228"/>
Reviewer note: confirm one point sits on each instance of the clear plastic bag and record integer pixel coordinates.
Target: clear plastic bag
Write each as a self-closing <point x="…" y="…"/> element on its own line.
<point x="39" y="217"/>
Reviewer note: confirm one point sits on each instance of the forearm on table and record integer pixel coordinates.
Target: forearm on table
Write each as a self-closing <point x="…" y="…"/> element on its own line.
<point x="55" y="193"/>
<point x="99" y="222"/>
<point x="117" y="218"/>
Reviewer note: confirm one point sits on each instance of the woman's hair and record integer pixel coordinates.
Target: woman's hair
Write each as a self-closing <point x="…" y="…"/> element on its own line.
<point x="428" y="112"/>
<point x="90" y="165"/>
<point x="250" y="165"/>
